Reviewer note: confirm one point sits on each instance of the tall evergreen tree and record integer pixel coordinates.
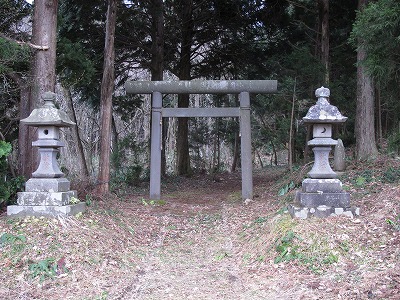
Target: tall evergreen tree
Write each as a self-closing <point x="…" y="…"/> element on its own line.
<point x="365" y="117"/>
<point x="378" y="26"/>
<point x="323" y="31"/>
<point x="43" y="70"/>
<point x="15" y="54"/>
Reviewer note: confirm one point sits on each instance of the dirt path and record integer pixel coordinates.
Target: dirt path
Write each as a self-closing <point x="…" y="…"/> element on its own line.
<point x="203" y="242"/>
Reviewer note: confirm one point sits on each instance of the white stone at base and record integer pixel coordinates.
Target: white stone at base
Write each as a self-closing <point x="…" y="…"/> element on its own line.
<point x="322" y="211"/>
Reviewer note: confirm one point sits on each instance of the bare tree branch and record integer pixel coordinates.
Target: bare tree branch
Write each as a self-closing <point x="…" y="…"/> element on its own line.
<point x="38" y="47"/>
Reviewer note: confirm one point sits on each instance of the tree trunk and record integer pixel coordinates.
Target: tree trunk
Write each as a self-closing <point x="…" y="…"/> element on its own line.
<point x="379" y="115"/>
<point x="291" y="140"/>
<point x="157" y="35"/>
<point x="23" y="167"/>
<point x="157" y="60"/>
<point x="275" y="155"/>
<point x="236" y="150"/>
<point x="76" y="135"/>
<point x="365" y="128"/>
<point x="114" y="134"/>
<point x="256" y="152"/>
<point x="107" y="87"/>
<point x="309" y="129"/>
<point x="43" y="68"/>
<point x="183" y="159"/>
<point x="92" y="144"/>
<point x="323" y="8"/>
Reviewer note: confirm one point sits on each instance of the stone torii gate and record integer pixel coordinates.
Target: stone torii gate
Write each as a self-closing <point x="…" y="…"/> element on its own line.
<point x="241" y="87"/>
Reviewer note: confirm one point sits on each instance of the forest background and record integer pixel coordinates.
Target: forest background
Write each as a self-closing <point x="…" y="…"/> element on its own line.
<point x="350" y="47"/>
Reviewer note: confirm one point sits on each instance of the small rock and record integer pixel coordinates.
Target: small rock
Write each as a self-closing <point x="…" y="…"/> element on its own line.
<point x="348" y="214"/>
<point x="247" y="201"/>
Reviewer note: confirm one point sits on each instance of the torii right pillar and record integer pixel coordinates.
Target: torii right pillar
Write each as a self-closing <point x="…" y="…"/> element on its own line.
<point x="322" y="194"/>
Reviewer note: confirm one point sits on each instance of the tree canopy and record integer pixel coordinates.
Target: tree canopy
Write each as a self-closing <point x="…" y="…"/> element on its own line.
<point x="233" y="39"/>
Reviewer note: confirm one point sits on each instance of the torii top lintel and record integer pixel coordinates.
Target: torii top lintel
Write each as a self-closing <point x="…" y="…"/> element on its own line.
<point x="202" y="86"/>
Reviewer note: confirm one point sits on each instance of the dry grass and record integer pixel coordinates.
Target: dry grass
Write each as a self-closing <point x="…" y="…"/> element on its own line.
<point x="202" y="243"/>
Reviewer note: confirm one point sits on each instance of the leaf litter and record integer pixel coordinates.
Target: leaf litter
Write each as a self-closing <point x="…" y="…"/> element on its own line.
<point x="203" y="242"/>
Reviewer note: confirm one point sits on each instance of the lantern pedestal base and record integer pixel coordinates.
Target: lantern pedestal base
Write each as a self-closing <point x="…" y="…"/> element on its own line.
<point x="45" y="198"/>
<point x="19" y="211"/>
<point x="322" y="198"/>
<point x="45" y="203"/>
<point x="47" y="185"/>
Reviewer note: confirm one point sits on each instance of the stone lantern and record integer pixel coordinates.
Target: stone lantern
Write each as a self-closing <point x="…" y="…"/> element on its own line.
<point x="48" y="192"/>
<point x="322" y="194"/>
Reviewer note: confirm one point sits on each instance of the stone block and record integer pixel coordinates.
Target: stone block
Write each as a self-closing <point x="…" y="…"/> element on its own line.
<point x="338" y="210"/>
<point x="45" y="198"/>
<point x="348" y="213"/>
<point x="355" y="211"/>
<point x="329" y="199"/>
<point x="322" y="142"/>
<point x="48" y="165"/>
<point x="339" y="157"/>
<point x="322" y="130"/>
<point x="47" y="185"/>
<point x="321" y="167"/>
<point x="45" y="210"/>
<point x="323" y="211"/>
<point x="311" y="185"/>
<point x="297" y="211"/>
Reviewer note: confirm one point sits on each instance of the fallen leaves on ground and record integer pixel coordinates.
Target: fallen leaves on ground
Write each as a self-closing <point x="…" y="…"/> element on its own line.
<point x="203" y="242"/>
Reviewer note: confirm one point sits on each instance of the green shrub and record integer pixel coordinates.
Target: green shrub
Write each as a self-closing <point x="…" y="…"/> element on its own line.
<point x="8" y="186"/>
<point x="394" y="142"/>
<point x="46" y="268"/>
<point x="132" y="175"/>
<point x="391" y="175"/>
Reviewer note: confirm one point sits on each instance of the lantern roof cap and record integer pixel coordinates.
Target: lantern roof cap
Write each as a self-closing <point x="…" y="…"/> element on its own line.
<point x="323" y="111"/>
<point x="48" y="114"/>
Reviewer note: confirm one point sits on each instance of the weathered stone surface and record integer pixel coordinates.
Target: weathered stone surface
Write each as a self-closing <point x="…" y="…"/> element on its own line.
<point x="338" y="210"/>
<point x="49" y="133"/>
<point x="339" y="157"/>
<point x="321" y="198"/>
<point x="348" y="213"/>
<point x="321" y="167"/>
<point x="322" y="142"/>
<point x="47" y="193"/>
<point x="322" y="131"/>
<point x="45" y="210"/>
<point x="48" y="114"/>
<point x="48" y="165"/>
<point x="323" y="111"/>
<point x="311" y="185"/>
<point x="322" y="194"/>
<point x="45" y="198"/>
<point x="355" y="211"/>
<point x="48" y="143"/>
<point x="47" y="185"/>
<point x="323" y="211"/>
<point x="299" y="212"/>
<point x="201" y="86"/>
